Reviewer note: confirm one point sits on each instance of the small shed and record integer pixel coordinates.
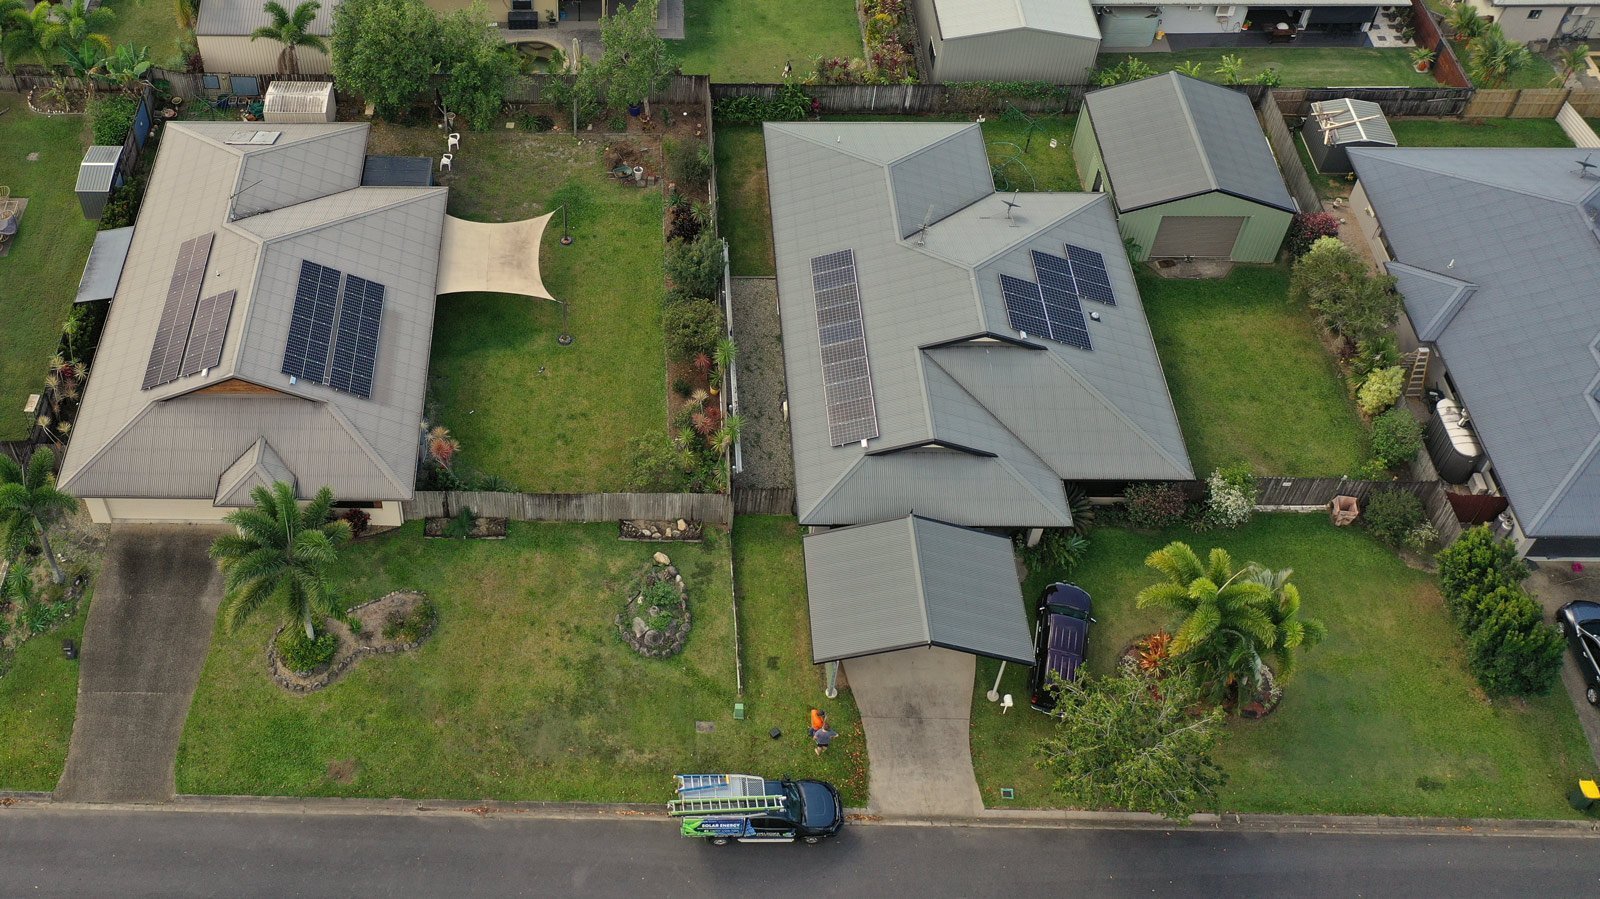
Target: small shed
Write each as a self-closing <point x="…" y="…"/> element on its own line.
<point x="1014" y="40"/>
<point x="103" y="272"/>
<point x="1334" y="126"/>
<point x="98" y="176"/>
<point x="299" y="102"/>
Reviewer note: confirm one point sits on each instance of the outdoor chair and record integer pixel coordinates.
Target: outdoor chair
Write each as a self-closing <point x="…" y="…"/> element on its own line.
<point x="445" y="163"/>
<point x="453" y="141"/>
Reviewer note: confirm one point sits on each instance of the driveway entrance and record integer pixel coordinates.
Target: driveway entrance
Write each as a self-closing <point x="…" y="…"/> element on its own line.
<point x="148" y="633"/>
<point x="916" y="708"/>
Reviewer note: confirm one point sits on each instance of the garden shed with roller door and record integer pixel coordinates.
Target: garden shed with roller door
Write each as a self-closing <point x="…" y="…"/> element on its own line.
<point x="1188" y="167"/>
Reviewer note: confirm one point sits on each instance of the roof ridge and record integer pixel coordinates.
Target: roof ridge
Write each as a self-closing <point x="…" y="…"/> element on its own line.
<point x="1024" y="237"/>
<point x="916" y="565"/>
<point x="1194" y="129"/>
<point x="1117" y="411"/>
<point x="1044" y="501"/>
<point x="366" y="447"/>
<point x="1396" y="156"/>
<point x="834" y="487"/>
<point x="416" y="194"/>
<point x="928" y="359"/>
<point x="1560" y="492"/>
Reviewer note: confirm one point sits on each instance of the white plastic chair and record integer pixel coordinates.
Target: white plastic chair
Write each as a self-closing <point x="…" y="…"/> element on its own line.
<point x="445" y="163"/>
<point x="454" y="140"/>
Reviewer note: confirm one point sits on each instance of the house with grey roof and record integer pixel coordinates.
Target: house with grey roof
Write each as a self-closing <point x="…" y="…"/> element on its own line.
<point x="1497" y="255"/>
<point x="222" y="32"/>
<point x="1016" y="40"/>
<point x="1188" y="167"/>
<point x="952" y="353"/>
<point x="271" y="322"/>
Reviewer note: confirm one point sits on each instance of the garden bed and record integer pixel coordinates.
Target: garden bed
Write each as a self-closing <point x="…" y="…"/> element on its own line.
<point x="482" y="529"/>
<point x="646" y="530"/>
<point x="375" y="618"/>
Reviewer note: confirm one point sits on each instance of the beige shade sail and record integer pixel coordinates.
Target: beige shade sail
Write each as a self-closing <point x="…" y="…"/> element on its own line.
<point x="500" y="257"/>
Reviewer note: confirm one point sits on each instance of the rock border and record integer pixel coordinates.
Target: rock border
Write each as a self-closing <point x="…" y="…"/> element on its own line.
<point x="644" y="530"/>
<point x="336" y="669"/>
<point x="668" y="642"/>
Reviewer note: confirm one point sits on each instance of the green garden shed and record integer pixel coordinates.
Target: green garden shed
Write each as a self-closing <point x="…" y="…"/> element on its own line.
<point x="1189" y="170"/>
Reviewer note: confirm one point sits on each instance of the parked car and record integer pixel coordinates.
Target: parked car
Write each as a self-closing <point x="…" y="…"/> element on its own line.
<point x="1579" y="621"/>
<point x="744" y="808"/>
<point x="1060" y="639"/>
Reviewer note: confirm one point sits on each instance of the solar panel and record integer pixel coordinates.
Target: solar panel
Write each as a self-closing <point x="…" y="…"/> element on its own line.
<point x="177" y="315"/>
<point x="355" y="347"/>
<point x="1024" y="306"/>
<point x="205" y="338"/>
<point x="1089" y="271"/>
<point x="846" y="375"/>
<point x="316" y="302"/>
<point x="1061" y="306"/>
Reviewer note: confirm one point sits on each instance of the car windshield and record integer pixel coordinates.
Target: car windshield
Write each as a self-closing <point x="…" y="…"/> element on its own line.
<point x="813" y="803"/>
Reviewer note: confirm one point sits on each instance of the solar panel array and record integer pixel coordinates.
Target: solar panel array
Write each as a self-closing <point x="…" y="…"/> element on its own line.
<point x="1051" y="306"/>
<point x="177" y="315"/>
<point x="846" y="376"/>
<point x="333" y="336"/>
<point x="1089" y="273"/>
<point x="1061" y="306"/>
<point x="205" y="336"/>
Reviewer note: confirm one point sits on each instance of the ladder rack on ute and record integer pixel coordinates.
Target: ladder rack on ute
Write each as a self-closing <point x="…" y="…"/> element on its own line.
<point x="728" y="794"/>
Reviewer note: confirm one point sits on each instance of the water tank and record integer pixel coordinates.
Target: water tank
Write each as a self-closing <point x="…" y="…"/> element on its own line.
<point x="1451" y="443"/>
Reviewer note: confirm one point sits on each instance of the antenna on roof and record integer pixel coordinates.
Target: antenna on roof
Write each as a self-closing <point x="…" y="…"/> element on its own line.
<point x="231" y="216"/>
<point x="1011" y="206"/>
<point x="922" y="233"/>
<point x="1585" y="167"/>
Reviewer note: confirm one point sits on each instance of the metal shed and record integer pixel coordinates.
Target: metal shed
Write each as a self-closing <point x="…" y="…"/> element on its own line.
<point x="97" y="178"/>
<point x="1334" y="126"/>
<point x="299" y="102"/>
<point x="103" y="272"/>
<point x="1015" y="40"/>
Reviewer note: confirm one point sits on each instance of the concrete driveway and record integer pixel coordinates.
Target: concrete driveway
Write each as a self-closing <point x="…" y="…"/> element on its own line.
<point x="1554" y="585"/>
<point x="916" y="707"/>
<point x="147" y="636"/>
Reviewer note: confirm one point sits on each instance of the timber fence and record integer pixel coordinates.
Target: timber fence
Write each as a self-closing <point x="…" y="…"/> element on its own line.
<point x="711" y="508"/>
<point x="1310" y="494"/>
<point x="1446" y="67"/>
<point x="763" y="501"/>
<point x="1283" y="147"/>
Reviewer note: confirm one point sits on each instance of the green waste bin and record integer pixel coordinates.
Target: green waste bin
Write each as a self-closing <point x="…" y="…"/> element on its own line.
<point x="1585" y="796"/>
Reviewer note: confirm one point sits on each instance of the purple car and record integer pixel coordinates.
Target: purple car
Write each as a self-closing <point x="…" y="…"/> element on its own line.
<point x="1060" y="639"/>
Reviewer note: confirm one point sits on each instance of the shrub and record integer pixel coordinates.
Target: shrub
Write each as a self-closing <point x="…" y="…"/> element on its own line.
<point x="409" y="628"/>
<point x="113" y="119"/>
<point x="1309" y="227"/>
<point x="1422" y="537"/>
<point x="1337" y="285"/>
<point x="1155" y="505"/>
<point x="1514" y="652"/>
<point x="692" y="328"/>
<point x="1478" y="558"/>
<point x="303" y="656"/>
<point x="122" y="209"/>
<point x="537" y="122"/>
<point x="1391" y="515"/>
<point x="791" y="104"/>
<point x="684" y="222"/>
<point x="1230" y="497"/>
<point x="1396" y="437"/>
<point x="358" y="519"/>
<point x="1381" y="390"/>
<point x="696" y="266"/>
<point x="1378" y="352"/>
<point x="1057" y="552"/>
<point x="689" y="161"/>
<point x="660" y="463"/>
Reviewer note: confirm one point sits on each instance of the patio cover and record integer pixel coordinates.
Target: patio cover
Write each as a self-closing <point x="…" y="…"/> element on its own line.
<point x="501" y="257"/>
<point x="912" y="582"/>
<point x="104" y="269"/>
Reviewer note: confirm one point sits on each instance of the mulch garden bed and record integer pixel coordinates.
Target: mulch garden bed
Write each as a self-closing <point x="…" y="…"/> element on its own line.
<point x="482" y="528"/>
<point x="642" y="530"/>
<point x="352" y="649"/>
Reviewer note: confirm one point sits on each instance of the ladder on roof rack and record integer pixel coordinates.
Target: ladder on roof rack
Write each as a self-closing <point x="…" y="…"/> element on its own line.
<point x="730" y="805"/>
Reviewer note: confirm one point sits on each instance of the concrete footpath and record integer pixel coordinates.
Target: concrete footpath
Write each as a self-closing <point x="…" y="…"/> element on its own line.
<point x="146" y="639"/>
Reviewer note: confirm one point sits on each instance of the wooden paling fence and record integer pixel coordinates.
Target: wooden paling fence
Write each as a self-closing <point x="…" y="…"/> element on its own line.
<point x="710" y="508"/>
<point x="763" y="501"/>
<point x="1290" y="494"/>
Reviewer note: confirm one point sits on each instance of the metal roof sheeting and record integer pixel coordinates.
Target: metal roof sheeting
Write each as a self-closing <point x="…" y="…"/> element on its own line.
<point x="241" y="17"/>
<point x="298" y="101"/>
<point x="914" y="582"/>
<point x="1356" y="121"/>
<point x="98" y="170"/>
<point x="964" y="18"/>
<point x="104" y="268"/>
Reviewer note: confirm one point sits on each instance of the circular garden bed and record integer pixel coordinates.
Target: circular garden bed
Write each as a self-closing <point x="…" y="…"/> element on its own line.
<point x="655" y="621"/>
<point x="399" y="622"/>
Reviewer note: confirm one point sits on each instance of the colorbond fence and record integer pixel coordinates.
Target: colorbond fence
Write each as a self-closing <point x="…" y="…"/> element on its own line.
<point x="711" y="508"/>
<point x="1283" y="147"/>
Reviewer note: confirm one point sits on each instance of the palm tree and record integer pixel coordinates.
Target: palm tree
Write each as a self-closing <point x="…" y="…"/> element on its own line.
<point x="84" y="58"/>
<point x="1573" y="61"/>
<point x="74" y="23"/>
<point x="1231" y="618"/>
<point x="1465" y="23"/>
<point x="30" y="503"/>
<point x="10" y="12"/>
<point x="280" y="554"/>
<point x="26" y="34"/>
<point x="1494" y="58"/>
<point x="289" y="29"/>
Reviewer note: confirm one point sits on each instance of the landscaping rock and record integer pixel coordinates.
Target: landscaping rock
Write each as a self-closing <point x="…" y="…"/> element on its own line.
<point x="635" y="622"/>
<point x="683" y="525"/>
<point x="679" y="530"/>
<point x="372" y="617"/>
<point x="661" y="559"/>
<point x="639" y="627"/>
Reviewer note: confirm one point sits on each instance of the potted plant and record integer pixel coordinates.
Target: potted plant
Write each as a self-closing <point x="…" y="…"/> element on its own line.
<point x="1422" y="58"/>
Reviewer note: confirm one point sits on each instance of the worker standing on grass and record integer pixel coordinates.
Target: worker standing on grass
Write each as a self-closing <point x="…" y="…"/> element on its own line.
<point x="821" y="735"/>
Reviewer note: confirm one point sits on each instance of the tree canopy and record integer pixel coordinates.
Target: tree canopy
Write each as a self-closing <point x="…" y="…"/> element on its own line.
<point x="384" y="50"/>
<point x="30" y="503"/>
<point x="636" y="62"/>
<point x="279" y="555"/>
<point x="1338" y="286"/>
<point x="476" y="64"/>
<point x="292" y="30"/>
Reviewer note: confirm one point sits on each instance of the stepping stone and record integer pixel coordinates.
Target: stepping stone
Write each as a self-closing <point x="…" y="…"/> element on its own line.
<point x="704" y="727"/>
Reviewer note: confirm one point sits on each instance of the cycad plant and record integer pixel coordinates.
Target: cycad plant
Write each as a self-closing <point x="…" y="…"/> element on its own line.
<point x="279" y="555"/>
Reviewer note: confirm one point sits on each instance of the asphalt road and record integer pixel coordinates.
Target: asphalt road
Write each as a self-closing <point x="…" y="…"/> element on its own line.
<point x="61" y="852"/>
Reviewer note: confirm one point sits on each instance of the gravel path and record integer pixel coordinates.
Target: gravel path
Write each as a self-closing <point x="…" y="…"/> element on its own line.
<point x="768" y="461"/>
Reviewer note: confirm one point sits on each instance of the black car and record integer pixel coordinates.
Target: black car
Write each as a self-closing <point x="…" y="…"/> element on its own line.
<point x="1060" y="639"/>
<point x="810" y="811"/>
<point x="1579" y="621"/>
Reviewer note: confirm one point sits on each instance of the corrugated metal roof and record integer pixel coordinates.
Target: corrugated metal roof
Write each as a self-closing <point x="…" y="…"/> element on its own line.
<point x="259" y="466"/>
<point x="171" y="442"/>
<point x="1355" y="121"/>
<point x="965" y="18"/>
<point x="297" y="97"/>
<point x="98" y="169"/>
<point x="838" y="186"/>
<point x="1519" y="347"/>
<point x="104" y="268"/>
<point x="914" y="582"/>
<point x="1171" y="136"/>
<point x="241" y="17"/>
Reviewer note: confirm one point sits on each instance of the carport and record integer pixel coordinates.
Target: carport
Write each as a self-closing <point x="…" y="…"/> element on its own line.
<point x="499" y="257"/>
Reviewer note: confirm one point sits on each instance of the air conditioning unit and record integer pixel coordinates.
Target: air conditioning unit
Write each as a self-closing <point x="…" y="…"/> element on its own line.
<point x="1224" y="12"/>
<point x="1479" y="484"/>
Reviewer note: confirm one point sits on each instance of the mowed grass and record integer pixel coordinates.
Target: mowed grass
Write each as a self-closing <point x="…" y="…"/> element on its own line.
<point x="525" y="691"/>
<point x="751" y="40"/>
<point x="38" y="698"/>
<point x="745" y="217"/>
<point x="1249" y="378"/>
<point x="39" y="278"/>
<point x="545" y="417"/>
<point x="1381" y="718"/>
<point x="1299" y="67"/>
<point x="149" y="23"/>
<point x="1479" y="133"/>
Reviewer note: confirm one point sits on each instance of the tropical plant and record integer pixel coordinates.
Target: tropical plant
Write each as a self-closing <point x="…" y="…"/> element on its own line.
<point x="695" y="266"/>
<point x="1058" y="551"/>
<point x="1337" y="285"/>
<point x="1152" y="651"/>
<point x="1381" y="389"/>
<point x="30" y="504"/>
<point x="84" y="59"/>
<point x="13" y="15"/>
<point x="292" y="30"/>
<point x="1493" y="59"/>
<point x="726" y="354"/>
<point x="1572" y="61"/>
<point x="1082" y="509"/>
<point x="441" y="446"/>
<point x="382" y="50"/>
<point x="477" y="65"/>
<point x="636" y="62"/>
<point x="1133" y="741"/>
<point x="280" y="554"/>
<point x="1465" y="23"/>
<point x="1269" y="77"/>
<point x="1130" y="69"/>
<point x="727" y="435"/>
<point x="1422" y="57"/>
<point x="71" y="24"/>
<point x="25" y="35"/>
<point x="1229" y="69"/>
<point x="127" y="65"/>
<point x="1193" y="68"/>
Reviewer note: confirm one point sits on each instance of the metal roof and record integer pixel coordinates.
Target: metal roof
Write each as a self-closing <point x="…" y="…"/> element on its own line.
<point x="966" y="18"/>
<point x="297" y="97"/>
<point x="976" y="426"/>
<point x="104" y="268"/>
<point x="1171" y="136"/>
<point x="241" y="17"/>
<point x="1511" y="225"/>
<point x="914" y="582"/>
<point x="1356" y="121"/>
<point x="98" y="169"/>
<point x="259" y="466"/>
<point x="271" y="206"/>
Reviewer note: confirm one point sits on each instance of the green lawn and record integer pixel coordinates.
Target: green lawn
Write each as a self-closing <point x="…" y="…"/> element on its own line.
<point x="1382" y="718"/>
<point x="1249" y="378"/>
<point x="751" y="40"/>
<point x="148" y="23"/>
<point x="545" y="417"/>
<point x="1479" y="133"/>
<point x="745" y="220"/>
<point x="1539" y="72"/>
<point x="38" y="697"/>
<point x="1300" y="67"/>
<point x="40" y="276"/>
<point x="524" y="691"/>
